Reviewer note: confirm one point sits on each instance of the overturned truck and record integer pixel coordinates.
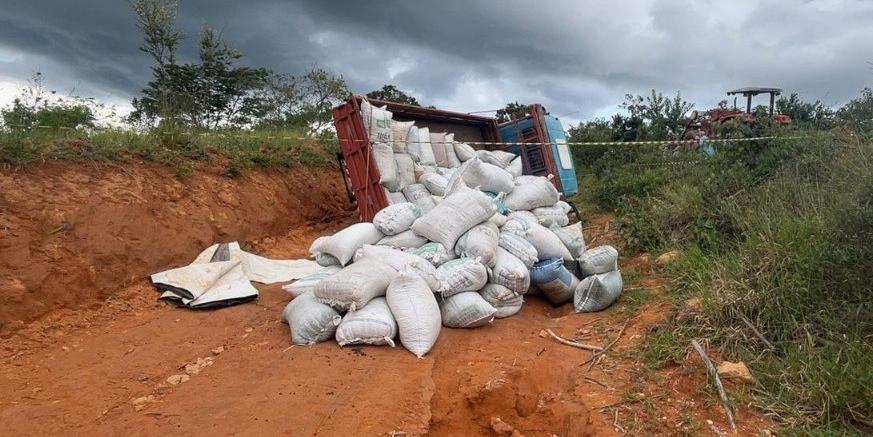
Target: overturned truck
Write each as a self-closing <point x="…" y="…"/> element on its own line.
<point x="449" y="235"/>
<point x="536" y="139"/>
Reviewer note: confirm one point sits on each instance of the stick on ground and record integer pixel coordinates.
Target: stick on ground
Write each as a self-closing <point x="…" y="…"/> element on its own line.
<point x="710" y="368"/>
<point x="573" y="343"/>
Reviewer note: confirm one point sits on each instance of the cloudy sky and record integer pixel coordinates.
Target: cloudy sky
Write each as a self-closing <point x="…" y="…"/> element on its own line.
<point x="578" y="58"/>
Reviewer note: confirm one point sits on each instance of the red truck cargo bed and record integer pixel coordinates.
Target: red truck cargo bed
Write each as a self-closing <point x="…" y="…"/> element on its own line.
<point x="359" y="168"/>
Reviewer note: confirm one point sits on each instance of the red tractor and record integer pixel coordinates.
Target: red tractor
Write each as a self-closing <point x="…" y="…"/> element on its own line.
<point x="700" y="124"/>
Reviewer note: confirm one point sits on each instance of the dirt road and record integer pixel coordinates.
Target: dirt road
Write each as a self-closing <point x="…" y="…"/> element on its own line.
<point x="115" y="369"/>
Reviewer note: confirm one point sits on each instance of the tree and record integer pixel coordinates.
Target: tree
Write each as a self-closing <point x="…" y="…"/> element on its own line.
<point x="211" y="93"/>
<point x="223" y="93"/>
<point x="858" y="113"/>
<point x="392" y="94"/>
<point x="320" y="91"/>
<point x="156" y="20"/>
<point x="655" y="116"/>
<point x="803" y="112"/>
<point x="303" y="102"/>
<point x="511" y="109"/>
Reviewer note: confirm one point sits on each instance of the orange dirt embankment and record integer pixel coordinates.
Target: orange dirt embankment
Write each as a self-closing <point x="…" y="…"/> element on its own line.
<point x="72" y="235"/>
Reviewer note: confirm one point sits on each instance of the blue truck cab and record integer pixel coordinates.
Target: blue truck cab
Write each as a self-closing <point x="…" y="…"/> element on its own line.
<point x="539" y="128"/>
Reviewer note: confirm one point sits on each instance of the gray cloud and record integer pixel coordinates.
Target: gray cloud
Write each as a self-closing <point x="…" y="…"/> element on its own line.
<point x="577" y="58"/>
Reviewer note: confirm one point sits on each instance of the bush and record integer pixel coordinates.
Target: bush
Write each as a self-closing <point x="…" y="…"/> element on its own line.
<point x="781" y="239"/>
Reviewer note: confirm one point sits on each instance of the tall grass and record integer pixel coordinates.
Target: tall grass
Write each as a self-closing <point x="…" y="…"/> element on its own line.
<point x="780" y="235"/>
<point x="234" y="150"/>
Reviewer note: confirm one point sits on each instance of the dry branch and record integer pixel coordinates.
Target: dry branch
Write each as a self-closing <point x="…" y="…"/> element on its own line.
<point x="710" y="368"/>
<point x="573" y="343"/>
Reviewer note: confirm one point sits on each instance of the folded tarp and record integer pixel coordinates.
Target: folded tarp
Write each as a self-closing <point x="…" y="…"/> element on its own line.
<point x="221" y="276"/>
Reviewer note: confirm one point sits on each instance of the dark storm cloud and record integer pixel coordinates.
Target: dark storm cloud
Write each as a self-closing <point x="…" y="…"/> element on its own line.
<point x="578" y="59"/>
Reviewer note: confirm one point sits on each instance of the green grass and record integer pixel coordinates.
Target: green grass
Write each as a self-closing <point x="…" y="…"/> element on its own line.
<point x="233" y="150"/>
<point x="779" y="234"/>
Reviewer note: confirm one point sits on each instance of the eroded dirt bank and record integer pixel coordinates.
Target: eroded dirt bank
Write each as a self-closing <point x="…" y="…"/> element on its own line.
<point x="72" y="235"/>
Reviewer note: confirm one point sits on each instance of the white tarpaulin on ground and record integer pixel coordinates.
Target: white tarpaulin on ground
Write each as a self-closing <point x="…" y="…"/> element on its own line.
<point x="221" y="276"/>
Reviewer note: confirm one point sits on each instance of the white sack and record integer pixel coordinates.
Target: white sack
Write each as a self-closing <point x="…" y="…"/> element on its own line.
<point x="399" y="135"/>
<point x="377" y="121"/>
<point x="307" y="283"/>
<point x="460" y="275"/>
<point x="480" y="241"/>
<point x="394" y="219"/>
<point x="466" y="310"/>
<point x="438" y="146"/>
<point x="510" y="272"/>
<point x="515" y="167"/>
<point x="344" y="243"/>
<point x="420" y="196"/>
<point x="416" y="311"/>
<point x="600" y="259"/>
<point x="435" y="183"/>
<point x="498" y="219"/>
<point x="572" y="241"/>
<point x="327" y="260"/>
<point x="373" y="324"/>
<point x="503" y="299"/>
<point x="395" y="198"/>
<point x="597" y="292"/>
<point x="403" y="240"/>
<point x="387" y="166"/>
<point x="551" y="215"/>
<point x="451" y="157"/>
<point x="464" y="152"/>
<point x="531" y="192"/>
<point x="487" y="177"/>
<point x="310" y="321"/>
<point x="352" y="287"/>
<point x="519" y="247"/>
<point x="405" y="169"/>
<point x="548" y="244"/>
<point x="456" y="214"/>
<point x="496" y="157"/>
<point x="435" y="253"/>
<point x="399" y="260"/>
<point x="418" y="146"/>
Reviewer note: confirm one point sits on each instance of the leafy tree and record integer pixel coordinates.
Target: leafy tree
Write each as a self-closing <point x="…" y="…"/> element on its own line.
<point x="304" y="102"/>
<point x="156" y="20"/>
<point x="392" y="94"/>
<point x="654" y="117"/>
<point x="803" y="112"/>
<point x="858" y="113"/>
<point x="208" y="94"/>
<point x="511" y="109"/>
<point x="320" y="91"/>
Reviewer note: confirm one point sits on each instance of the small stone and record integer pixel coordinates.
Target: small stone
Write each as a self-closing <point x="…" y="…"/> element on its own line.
<point x="543" y="333"/>
<point x="65" y="348"/>
<point x="666" y="258"/>
<point x="143" y="399"/>
<point x="693" y="305"/>
<point x="218" y="350"/>
<point x="248" y="329"/>
<point x="737" y="371"/>
<point x="500" y="427"/>
<point x="177" y="379"/>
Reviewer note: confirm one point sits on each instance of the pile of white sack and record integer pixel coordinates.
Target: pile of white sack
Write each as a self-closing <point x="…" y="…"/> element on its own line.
<point x="465" y="238"/>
